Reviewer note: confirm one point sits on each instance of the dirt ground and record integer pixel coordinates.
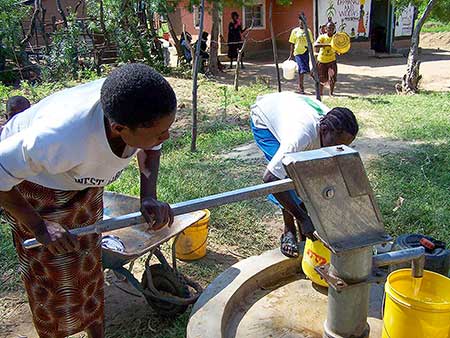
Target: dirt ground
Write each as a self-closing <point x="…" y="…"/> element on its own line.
<point x="123" y="309"/>
<point x="358" y="75"/>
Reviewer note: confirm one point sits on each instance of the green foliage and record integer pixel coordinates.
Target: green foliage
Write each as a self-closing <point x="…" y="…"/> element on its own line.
<point x="11" y="16"/>
<point x="440" y="11"/>
<point x="68" y="52"/>
<point x="128" y="26"/>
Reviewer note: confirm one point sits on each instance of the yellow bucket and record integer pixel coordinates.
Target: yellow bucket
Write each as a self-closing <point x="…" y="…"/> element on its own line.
<point x="315" y="254"/>
<point x="191" y="243"/>
<point x="414" y="310"/>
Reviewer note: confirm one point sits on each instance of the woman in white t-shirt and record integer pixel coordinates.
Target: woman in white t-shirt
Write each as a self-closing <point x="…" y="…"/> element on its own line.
<point x="55" y="159"/>
<point x="286" y="123"/>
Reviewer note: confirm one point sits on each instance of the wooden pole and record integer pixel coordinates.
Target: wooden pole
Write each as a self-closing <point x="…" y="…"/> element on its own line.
<point x="195" y="78"/>
<point x="274" y="46"/>
<point x="214" y="46"/>
<point x="239" y="58"/>
<point x="312" y="57"/>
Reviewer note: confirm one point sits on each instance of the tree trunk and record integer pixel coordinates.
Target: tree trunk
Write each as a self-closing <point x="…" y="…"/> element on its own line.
<point x="43" y="31"/>
<point x="312" y="57"/>
<point x="274" y="46"/>
<point x="61" y="12"/>
<point x="410" y="82"/>
<point x="195" y="78"/>
<point x="239" y="57"/>
<point x="174" y="35"/>
<point x="32" y="24"/>
<point x="214" y="46"/>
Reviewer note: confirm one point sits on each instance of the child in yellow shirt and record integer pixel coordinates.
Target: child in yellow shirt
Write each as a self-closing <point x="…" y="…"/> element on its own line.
<point x="326" y="60"/>
<point x="299" y="49"/>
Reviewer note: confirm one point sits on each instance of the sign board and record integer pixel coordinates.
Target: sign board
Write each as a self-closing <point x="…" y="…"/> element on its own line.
<point x="404" y="23"/>
<point x="350" y="16"/>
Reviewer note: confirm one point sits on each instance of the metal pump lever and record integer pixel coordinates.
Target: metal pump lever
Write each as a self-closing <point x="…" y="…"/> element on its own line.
<point x="181" y="208"/>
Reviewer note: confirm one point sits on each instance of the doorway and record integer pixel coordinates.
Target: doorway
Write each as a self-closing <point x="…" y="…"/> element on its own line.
<point x="380" y="26"/>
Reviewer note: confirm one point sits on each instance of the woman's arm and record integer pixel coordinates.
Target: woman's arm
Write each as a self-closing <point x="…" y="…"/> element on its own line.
<point x="156" y="213"/>
<point x="53" y="235"/>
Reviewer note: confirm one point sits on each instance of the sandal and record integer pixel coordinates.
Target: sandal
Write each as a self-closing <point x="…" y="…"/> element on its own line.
<point x="288" y="245"/>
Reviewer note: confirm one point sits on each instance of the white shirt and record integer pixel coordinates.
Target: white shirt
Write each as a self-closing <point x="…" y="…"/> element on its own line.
<point x="294" y="121"/>
<point x="60" y="143"/>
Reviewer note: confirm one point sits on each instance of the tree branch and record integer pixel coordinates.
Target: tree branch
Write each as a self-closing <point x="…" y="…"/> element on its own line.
<point x="61" y="12"/>
<point x="239" y="57"/>
<point x="32" y="23"/>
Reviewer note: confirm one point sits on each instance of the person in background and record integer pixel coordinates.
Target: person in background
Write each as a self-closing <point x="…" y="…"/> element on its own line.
<point x="326" y="60"/>
<point x="55" y="159"/>
<point x="299" y="50"/>
<point x="16" y="105"/>
<point x="164" y="40"/>
<point x="203" y="46"/>
<point x="287" y="122"/>
<point x="235" y="39"/>
<point x="185" y="41"/>
<point x="204" y="55"/>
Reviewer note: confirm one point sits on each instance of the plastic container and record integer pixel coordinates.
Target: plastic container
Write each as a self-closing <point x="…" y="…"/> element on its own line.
<point x="416" y="307"/>
<point x="173" y="57"/>
<point x="315" y="254"/>
<point x="191" y="244"/>
<point x="289" y="69"/>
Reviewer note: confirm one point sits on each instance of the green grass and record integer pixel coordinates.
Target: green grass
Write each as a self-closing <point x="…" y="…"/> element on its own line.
<point x="420" y="176"/>
<point x="185" y="175"/>
<point x="424" y="117"/>
<point x="435" y="27"/>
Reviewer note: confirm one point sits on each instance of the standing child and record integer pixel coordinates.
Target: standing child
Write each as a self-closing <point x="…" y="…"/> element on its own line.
<point x="299" y="49"/>
<point x="326" y="60"/>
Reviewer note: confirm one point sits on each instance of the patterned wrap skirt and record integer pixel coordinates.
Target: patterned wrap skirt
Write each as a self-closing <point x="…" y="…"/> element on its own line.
<point x="65" y="292"/>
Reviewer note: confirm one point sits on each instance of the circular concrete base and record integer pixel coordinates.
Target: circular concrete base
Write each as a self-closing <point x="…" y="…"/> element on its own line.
<point x="267" y="296"/>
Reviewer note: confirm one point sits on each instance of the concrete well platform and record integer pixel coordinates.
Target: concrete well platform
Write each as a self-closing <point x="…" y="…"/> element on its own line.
<point x="267" y="296"/>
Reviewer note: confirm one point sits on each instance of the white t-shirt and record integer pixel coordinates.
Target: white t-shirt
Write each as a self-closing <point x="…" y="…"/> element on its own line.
<point x="294" y="121"/>
<point x="60" y="143"/>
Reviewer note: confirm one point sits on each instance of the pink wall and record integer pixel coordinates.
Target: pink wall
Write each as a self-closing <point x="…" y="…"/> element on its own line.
<point x="183" y="16"/>
<point x="284" y="19"/>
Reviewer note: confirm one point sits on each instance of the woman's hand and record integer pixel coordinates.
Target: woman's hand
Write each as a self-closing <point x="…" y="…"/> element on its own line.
<point x="157" y="214"/>
<point x="56" y="238"/>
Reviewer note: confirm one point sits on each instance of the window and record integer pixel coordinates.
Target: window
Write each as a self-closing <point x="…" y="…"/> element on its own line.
<point x="196" y="14"/>
<point x="256" y="12"/>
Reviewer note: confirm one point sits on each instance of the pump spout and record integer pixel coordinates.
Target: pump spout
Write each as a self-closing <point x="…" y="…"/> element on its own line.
<point x="416" y="255"/>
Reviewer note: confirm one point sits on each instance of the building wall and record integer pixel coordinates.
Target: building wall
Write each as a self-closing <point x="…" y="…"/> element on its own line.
<point x="182" y="16"/>
<point x="285" y="18"/>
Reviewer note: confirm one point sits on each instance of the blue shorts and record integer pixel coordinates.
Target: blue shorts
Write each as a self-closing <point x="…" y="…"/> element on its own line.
<point x="269" y="145"/>
<point x="302" y="62"/>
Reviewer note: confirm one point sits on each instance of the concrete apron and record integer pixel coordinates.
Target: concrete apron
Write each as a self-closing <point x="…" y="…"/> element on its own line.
<point x="268" y="296"/>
